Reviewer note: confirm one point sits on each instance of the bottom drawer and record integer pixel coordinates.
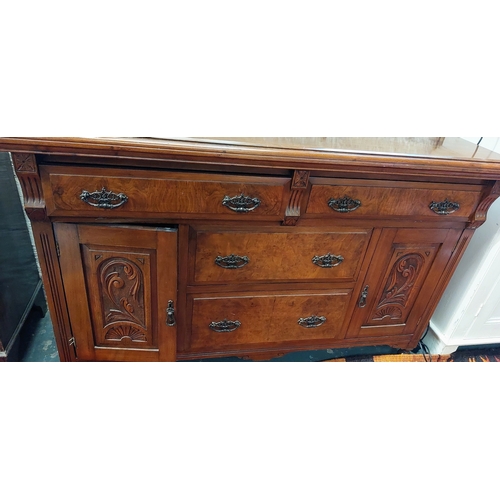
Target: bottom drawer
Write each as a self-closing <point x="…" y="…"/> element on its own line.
<point x="220" y="321"/>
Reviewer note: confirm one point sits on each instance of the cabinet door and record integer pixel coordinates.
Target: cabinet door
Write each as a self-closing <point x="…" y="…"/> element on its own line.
<point x="398" y="292"/>
<point x="121" y="287"/>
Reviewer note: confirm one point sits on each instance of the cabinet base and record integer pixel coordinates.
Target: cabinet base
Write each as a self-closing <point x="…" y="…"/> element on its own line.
<point x="263" y="354"/>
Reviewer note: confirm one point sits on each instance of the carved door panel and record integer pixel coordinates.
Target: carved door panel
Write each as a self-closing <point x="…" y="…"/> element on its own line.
<point x="396" y="296"/>
<point x="121" y="286"/>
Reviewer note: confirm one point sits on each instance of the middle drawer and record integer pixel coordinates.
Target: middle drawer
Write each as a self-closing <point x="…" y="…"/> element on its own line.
<point x="273" y="255"/>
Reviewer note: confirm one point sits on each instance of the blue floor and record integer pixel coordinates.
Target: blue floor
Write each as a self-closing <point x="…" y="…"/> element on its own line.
<point x="37" y="339"/>
<point x="38" y="345"/>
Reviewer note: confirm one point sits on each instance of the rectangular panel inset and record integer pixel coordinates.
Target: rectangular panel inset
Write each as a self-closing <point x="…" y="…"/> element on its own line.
<point x="105" y="193"/>
<point x="220" y="322"/>
<point x="407" y="271"/>
<point x="357" y="200"/>
<point x="119" y="286"/>
<point x="320" y="256"/>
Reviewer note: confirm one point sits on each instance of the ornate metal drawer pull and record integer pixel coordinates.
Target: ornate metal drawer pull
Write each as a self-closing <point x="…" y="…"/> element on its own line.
<point x="104" y="198"/>
<point x="170" y="313"/>
<point x="444" y="207"/>
<point x="232" y="261"/>
<point x="362" y="298"/>
<point x="311" y="321"/>
<point x="345" y="204"/>
<point x="327" y="260"/>
<point x="224" y="326"/>
<point x="241" y="203"/>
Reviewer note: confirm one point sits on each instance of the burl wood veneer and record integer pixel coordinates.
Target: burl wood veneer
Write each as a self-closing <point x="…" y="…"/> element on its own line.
<point x="164" y="250"/>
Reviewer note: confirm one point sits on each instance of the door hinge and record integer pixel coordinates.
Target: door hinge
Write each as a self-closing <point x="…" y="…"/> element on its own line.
<point x="72" y="342"/>
<point x="58" y="249"/>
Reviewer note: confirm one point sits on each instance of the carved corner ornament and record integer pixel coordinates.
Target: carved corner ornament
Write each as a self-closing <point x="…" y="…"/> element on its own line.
<point x="300" y="179"/>
<point x="479" y="216"/>
<point x="24" y="162"/>
<point x="31" y="185"/>
<point x="300" y="183"/>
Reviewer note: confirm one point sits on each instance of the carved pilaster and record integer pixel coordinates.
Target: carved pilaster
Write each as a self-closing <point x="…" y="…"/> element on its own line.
<point x="52" y="282"/>
<point x="300" y="183"/>
<point x="479" y="216"/>
<point x="31" y="185"/>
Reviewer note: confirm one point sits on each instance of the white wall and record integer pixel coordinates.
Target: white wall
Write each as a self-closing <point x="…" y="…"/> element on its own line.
<point x="469" y="310"/>
<point x="492" y="143"/>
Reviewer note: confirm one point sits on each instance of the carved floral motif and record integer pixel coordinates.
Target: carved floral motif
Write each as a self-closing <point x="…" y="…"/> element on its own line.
<point x="398" y="287"/>
<point x="125" y="331"/>
<point x="121" y="283"/>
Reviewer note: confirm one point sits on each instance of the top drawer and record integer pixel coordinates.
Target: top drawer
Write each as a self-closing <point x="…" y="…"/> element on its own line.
<point x="126" y="193"/>
<point x="359" y="198"/>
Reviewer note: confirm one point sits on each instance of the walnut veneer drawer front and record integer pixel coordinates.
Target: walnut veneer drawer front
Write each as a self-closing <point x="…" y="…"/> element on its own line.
<point x="234" y="256"/>
<point x="70" y="190"/>
<point x="365" y="198"/>
<point x="220" y="321"/>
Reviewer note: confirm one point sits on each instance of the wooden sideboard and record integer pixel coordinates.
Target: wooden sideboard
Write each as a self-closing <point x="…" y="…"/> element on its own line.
<point x="164" y="250"/>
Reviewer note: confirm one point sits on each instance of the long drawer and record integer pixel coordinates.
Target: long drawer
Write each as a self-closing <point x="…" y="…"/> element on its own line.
<point x="126" y="193"/>
<point x="343" y="199"/>
<point x="277" y="255"/>
<point x="219" y="321"/>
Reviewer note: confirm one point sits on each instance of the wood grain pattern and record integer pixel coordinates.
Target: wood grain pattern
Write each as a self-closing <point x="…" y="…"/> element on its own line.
<point x="399" y="290"/>
<point x="159" y="192"/>
<point x="266" y="317"/>
<point x="114" y="280"/>
<point x="390" y="201"/>
<point x="279" y="256"/>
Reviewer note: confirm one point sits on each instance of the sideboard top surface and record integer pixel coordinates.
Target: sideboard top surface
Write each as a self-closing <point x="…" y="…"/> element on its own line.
<point x="431" y="156"/>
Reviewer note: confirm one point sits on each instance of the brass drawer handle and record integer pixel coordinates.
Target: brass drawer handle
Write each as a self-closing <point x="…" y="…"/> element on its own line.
<point x="232" y="261"/>
<point x="224" y="326"/>
<point x="445" y="207"/>
<point x="327" y="260"/>
<point x="343" y="205"/>
<point x="362" y="298"/>
<point x="311" y="321"/>
<point x="104" y="198"/>
<point x="241" y="203"/>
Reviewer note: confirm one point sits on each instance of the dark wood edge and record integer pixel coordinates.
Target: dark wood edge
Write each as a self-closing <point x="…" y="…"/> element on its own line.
<point x="398" y="342"/>
<point x="253" y="155"/>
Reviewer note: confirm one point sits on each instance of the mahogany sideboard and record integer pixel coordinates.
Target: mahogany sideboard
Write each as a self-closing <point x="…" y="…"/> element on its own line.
<point x="178" y="249"/>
